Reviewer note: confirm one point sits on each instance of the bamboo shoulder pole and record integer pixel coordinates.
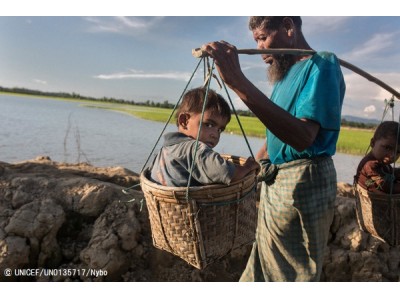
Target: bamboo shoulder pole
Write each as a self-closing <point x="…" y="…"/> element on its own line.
<point x="198" y="52"/>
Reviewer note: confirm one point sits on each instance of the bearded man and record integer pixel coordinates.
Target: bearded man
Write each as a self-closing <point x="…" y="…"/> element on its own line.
<point x="302" y="117"/>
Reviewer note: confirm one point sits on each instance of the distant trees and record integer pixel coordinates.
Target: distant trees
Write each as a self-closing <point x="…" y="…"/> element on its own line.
<point x="73" y="95"/>
<point x="358" y="124"/>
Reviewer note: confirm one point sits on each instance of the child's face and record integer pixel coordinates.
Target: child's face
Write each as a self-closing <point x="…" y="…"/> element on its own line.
<point x="212" y="127"/>
<point x="383" y="150"/>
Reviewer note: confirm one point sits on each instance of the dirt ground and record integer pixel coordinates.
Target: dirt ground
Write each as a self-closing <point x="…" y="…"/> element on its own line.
<point x="74" y="218"/>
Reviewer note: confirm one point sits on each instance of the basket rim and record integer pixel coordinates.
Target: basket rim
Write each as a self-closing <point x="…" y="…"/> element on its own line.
<point x="148" y="182"/>
<point x="375" y="196"/>
<point x="251" y="176"/>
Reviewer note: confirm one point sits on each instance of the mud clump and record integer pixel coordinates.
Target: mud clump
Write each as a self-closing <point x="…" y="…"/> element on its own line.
<point x="72" y="222"/>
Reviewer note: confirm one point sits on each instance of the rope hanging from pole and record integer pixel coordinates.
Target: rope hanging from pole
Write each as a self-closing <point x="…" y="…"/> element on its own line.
<point x="389" y="104"/>
<point x="126" y="190"/>
<point x="207" y="81"/>
<point x="208" y="75"/>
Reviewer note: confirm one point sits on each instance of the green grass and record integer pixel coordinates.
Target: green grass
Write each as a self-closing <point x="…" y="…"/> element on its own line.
<point x="354" y="141"/>
<point x="251" y="126"/>
<point x="351" y="140"/>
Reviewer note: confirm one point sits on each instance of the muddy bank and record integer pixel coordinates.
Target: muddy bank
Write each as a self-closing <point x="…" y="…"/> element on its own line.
<point x="74" y="220"/>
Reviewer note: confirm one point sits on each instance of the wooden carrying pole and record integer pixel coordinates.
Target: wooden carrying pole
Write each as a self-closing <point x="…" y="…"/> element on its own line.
<point x="198" y="52"/>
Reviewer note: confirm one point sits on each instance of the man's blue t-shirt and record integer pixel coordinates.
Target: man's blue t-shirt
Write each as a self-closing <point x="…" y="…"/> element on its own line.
<point x="312" y="89"/>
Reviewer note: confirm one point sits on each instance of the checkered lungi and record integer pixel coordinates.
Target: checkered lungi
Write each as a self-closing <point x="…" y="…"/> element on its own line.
<point x="295" y="214"/>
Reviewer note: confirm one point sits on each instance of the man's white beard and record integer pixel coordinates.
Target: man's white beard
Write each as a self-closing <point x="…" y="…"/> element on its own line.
<point x="281" y="65"/>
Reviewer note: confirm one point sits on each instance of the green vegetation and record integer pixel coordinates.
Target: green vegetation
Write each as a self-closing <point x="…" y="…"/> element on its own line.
<point x="251" y="125"/>
<point x="361" y="125"/>
<point x="352" y="140"/>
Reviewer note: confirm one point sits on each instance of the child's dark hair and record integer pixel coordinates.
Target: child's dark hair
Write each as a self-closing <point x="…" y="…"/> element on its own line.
<point x="193" y="101"/>
<point x="387" y="129"/>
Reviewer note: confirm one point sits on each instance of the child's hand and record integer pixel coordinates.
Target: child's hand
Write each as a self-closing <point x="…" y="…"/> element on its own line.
<point x="251" y="165"/>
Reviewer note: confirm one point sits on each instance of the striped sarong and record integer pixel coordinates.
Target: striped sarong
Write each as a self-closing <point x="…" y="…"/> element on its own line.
<point x="295" y="214"/>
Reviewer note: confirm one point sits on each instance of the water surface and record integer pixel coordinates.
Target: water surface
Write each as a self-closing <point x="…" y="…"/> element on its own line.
<point x="68" y="132"/>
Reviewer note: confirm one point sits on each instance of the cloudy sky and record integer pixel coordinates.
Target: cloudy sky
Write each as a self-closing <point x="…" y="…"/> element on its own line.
<point x="149" y="58"/>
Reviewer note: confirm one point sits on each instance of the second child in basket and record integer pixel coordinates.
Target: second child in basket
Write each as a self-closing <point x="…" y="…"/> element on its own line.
<point x="172" y="164"/>
<point x="375" y="172"/>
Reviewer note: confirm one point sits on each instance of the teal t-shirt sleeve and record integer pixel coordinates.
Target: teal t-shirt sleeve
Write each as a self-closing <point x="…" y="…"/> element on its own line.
<point x="320" y="99"/>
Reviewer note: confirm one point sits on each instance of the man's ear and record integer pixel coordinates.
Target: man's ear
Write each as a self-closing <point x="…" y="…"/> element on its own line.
<point x="183" y="120"/>
<point x="288" y="25"/>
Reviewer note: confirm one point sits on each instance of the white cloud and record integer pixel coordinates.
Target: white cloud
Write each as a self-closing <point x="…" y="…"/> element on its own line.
<point x="44" y="82"/>
<point x="135" y="74"/>
<point x="361" y="94"/>
<point x="373" y="47"/>
<point x="370" y="109"/>
<point x="122" y="25"/>
<point x="358" y="87"/>
<point x="132" y="22"/>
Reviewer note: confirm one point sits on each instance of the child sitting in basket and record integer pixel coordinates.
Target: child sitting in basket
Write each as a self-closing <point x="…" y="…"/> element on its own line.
<point x="172" y="164"/>
<point x="375" y="173"/>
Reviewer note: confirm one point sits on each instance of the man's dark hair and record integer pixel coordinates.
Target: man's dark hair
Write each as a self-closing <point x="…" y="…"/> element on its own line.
<point x="193" y="101"/>
<point x="387" y="129"/>
<point x="272" y="23"/>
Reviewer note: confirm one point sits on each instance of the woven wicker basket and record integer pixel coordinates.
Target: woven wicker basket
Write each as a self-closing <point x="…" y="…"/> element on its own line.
<point x="216" y="219"/>
<point x="379" y="214"/>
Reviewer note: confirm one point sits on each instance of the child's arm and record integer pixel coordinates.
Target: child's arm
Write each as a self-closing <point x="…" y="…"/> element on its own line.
<point x="262" y="153"/>
<point x="242" y="171"/>
<point x="391" y="184"/>
<point x="383" y="184"/>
